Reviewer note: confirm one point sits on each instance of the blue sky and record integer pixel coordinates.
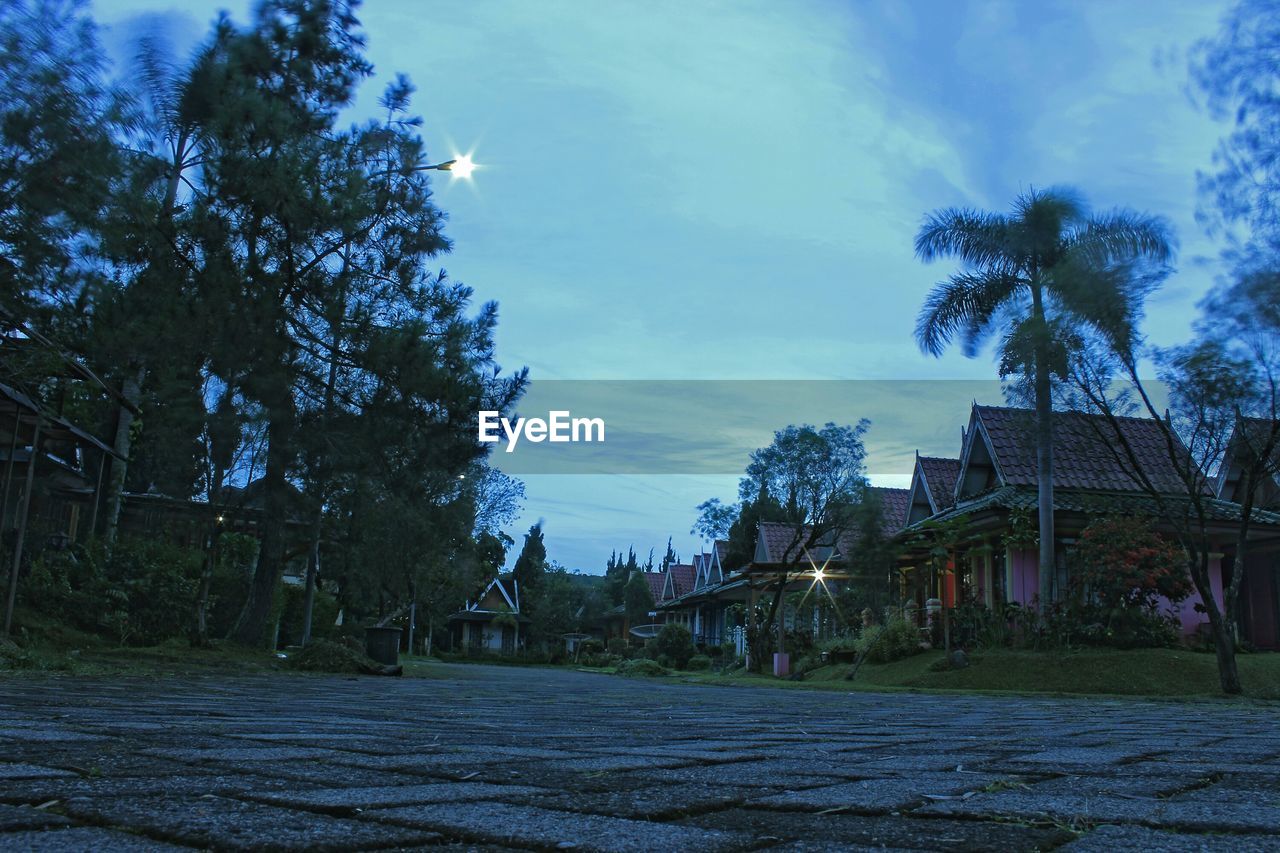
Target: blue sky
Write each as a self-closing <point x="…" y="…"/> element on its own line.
<point x="675" y="190"/>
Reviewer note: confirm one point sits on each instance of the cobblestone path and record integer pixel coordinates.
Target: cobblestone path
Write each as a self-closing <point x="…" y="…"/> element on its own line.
<point x="504" y="757"/>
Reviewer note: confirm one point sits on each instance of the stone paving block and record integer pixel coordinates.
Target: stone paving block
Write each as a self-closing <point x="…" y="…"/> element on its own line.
<point x="1205" y="765"/>
<point x="348" y="800"/>
<point x="608" y="763"/>
<point x="303" y="774"/>
<point x="876" y="795"/>
<point x="1100" y="757"/>
<point x="31" y="771"/>
<point x="83" y="838"/>
<point x="845" y="831"/>
<point x="502" y="823"/>
<point x="212" y="821"/>
<point x="28" y="817"/>
<point x="1086" y="810"/>
<point x="238" y="753"/>
<point x="907" y="764"/>
<point x="36" y="791"/>
<point x="48" y="735"/>
<point x="744" y="773"/>
<point x="1139" y="839"/>
<point x="664" y="802"/>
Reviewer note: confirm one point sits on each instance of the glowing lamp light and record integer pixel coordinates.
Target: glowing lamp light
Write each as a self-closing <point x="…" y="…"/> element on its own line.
<point x="461" y="166"/>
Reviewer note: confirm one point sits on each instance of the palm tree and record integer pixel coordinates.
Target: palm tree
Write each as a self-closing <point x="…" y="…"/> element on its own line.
<point x="1037" y="278"/>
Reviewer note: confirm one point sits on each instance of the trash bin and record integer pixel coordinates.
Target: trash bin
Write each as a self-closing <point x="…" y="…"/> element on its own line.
<point x="383" y="644"/>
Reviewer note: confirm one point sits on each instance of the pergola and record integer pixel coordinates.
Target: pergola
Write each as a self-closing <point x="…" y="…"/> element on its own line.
<point x="23" y="424"/>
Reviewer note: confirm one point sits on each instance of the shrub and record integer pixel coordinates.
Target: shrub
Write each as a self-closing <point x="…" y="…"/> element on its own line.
<point x="1123" y="571"/>
<point x="640" y="667"/>
<point x="675" y="643"/>
<point x="326" y="656"/>
<point x="143" y="595"/>
<point x="324" y="612"/>
<point x="618" y="646"/>
<point x="590" y="647"/>
<point x="897" y="639"/>
<point x="699" y="662"/>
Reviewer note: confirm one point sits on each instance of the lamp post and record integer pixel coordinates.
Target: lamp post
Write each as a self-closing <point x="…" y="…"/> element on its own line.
<point x="460" y="166"/>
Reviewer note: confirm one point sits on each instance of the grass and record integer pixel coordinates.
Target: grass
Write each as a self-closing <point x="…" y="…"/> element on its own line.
<point x="1170" y="673"/>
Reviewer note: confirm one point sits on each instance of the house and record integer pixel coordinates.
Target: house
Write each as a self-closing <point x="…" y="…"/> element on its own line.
<point x="492" y="623"/>
<point x="713" y="609"/>
<point x="1259" y="603"/>
<point x="991" y="490"/>
<point x="703" y="601"/>
<point x="615" y="623"/>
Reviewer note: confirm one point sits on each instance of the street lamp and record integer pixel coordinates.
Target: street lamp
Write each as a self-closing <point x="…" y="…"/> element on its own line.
<point x="461" y="166"/>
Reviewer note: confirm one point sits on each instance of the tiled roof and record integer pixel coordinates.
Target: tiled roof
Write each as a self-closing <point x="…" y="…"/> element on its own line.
<point x="1243" y="447"/>
<point x="1101" y="503"/>
<point x="1087" y="452"/>
<point x="656" y="581"/>
<point x="682" y="577"/>
<point x="895" y="502"/>
<point x="782" y="544"/>
<point x="941" y="474"/>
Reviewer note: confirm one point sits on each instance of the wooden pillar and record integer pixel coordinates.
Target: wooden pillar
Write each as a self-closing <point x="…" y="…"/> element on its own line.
<point x="23" y="512"/>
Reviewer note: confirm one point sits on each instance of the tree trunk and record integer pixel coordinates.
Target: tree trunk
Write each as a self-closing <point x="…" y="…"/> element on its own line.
<point x="201" y="636"/>
<point x="309" y="595"/>
<point x="131" y="390"/>
<point x="1044" y="455"/>
<point x="252" y="627"/>
<point x="1225" y="651"/>
<point x="413" y="613"/>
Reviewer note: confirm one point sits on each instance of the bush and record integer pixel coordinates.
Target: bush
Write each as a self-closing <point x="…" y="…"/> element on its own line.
<point x="640" y="667"/>
<point x="897" y="639"/>
<point x="589" y="648"/>
<point x="675" y="643"/>
<point x="699" y="662"/>
<point x="619" y="646"/>
<point x="327" y="656"/>
<point x="1122" y="572"/>
<point x="143" y="595"/>
<point x="324" y="612"/>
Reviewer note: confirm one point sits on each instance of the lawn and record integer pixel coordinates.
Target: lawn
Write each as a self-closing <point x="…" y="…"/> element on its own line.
<point x="1140" y="672"/>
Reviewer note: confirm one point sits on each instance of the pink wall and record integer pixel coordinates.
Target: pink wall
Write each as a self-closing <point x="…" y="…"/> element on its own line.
<point x="1186" y="612"/>
<point x="1025" y="583"/>
<point x="1024" y="587"/>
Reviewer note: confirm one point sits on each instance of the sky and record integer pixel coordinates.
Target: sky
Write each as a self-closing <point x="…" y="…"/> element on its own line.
<point x="730" y="191"/>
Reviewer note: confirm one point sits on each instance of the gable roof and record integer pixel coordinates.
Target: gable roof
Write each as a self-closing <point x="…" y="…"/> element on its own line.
<point x="1000" y="450"/>
<point x="715" y="566"/>
<point x="779" y="542"/>
<point x="679" y="579"/>
<point x="1241" y="451"/>
<point x="656" y="581"/>
<point x="894" y="503"/>
<point x="940" y="474"/>
<point x="506" y="586"/>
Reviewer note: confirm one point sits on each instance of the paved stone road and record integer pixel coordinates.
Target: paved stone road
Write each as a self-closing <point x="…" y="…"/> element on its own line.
<point x="494" y="757"/>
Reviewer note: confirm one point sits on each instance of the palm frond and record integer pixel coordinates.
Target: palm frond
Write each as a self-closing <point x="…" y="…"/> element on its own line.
<point x="976" y="237"/>
<point x="963" y="306"/>
<point x="1041" y="218"/>
<point x="1123" y="235"/>
<point x="157" y="76"/>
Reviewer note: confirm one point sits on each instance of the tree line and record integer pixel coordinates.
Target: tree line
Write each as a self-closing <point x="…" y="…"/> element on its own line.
<point x="254" y="277"/>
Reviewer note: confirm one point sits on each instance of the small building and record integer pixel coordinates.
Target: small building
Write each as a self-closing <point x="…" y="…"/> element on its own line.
<point x="493" y="623"/>
<point x="992" y="491"/>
